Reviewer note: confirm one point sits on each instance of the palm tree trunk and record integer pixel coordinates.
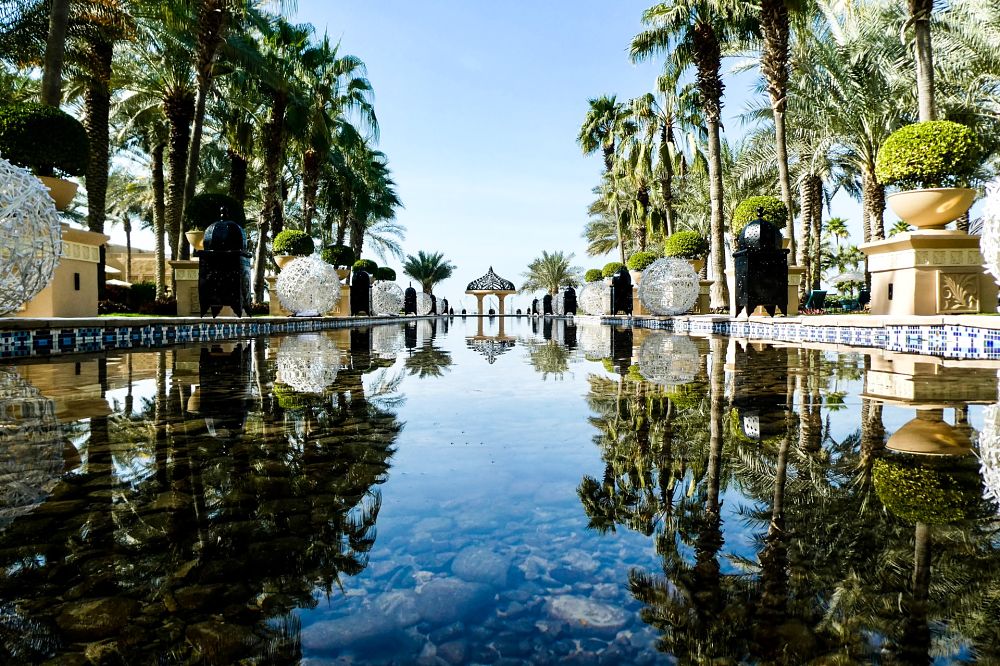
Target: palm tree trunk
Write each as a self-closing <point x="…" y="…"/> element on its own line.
<point x="274" y="144"/>
<point x="55" y="48"/>
<point x="804" y="258"/>
<point x="720" y="291"/>
<point x="816" y="183"/>
<point x="178" y="107"/>
<point x="97" y="107"/>
<point x="920" y="11"/>
<point x="874" y="194"/>
<point x="159" y="218"/>
<point x="774" y="65"/>
<point x="127" y="224"/>
<point x="310" y="187"/>
<point x="667" y="171"/>
<point x="238" y="166"/>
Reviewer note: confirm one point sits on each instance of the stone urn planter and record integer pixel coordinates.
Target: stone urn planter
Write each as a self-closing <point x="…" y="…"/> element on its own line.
<point x="697" y="265"/>
<point x="62" y="191"/>
<point x="931" y="208"/>
<point x="636" y="277"/>
<point x="196" y="239"/>
<point x="284" y="259"/>
<point x="344" y="274"/>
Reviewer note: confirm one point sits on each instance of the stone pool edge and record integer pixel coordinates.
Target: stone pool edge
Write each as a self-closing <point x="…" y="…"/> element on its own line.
<point x="948" y="336"/>
<point x="31" y="338"/>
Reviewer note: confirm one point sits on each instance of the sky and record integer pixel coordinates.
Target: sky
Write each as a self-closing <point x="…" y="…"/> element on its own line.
<point x="479" y="104"/>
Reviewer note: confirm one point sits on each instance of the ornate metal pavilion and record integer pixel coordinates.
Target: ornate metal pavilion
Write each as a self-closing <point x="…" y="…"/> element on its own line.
<point x="491" y="283"/>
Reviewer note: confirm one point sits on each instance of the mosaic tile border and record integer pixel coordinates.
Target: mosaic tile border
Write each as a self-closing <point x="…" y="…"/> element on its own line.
<point x="953" y="341"/>
<point x="56" y="338"/>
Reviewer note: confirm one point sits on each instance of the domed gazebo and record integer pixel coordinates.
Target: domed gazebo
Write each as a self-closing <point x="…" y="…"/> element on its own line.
<point x="491" y="283"/>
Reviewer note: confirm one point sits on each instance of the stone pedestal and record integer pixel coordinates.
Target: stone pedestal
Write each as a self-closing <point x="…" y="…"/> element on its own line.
<point x="343" y="308"/>
<point x="929" y="272"/>
<point x="185" y="282"/>
<point x="274" y="306"/>
<point x="73" y="289"/>
<point x="795" y="274"/>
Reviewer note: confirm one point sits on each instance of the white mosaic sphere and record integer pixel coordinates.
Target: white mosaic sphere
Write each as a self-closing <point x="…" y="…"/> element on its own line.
<point x="669" y="287"/>
<point x="309" y="286"/>
<point x="424" y="303"/>
<point x="668" y="359"/>
<point x="989" y="453"/>
<point x="989" y="241"/>
<point x="387" y="341"/>
<point x="594" y="339"/>
<point x="559" y="304"/>
<point x="30" y="237"/>
<point x="387" y="298"/>
<point x="595" y="298"/>
<point x="308" y="363"/>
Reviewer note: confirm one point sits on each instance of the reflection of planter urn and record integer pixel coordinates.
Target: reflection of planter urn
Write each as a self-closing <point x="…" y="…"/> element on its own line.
<point x="284" y="259"/>
<point x="196" y="239"/>
<point x="928" y="434"/>
<point x="194" y="402"/>
<point x="62" y="191"/>
<point x="931" y="208"/>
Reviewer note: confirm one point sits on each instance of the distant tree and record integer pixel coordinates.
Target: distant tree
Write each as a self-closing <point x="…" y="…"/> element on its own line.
<point x="551" y="271"/>
<point x="428" y="268"/>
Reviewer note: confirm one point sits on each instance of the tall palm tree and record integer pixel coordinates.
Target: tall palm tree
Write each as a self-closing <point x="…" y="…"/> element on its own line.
<point x="428" y="268"/>
<point x="920" y="18"/>
<point x="549" y="272"/>
<point x="601" y="127"/>
<point x="693" y="33"/>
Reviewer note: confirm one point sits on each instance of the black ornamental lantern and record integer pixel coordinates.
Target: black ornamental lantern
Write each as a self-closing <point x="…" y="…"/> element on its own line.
<point x="361" y="293"/>
<point x="434" y="305"/>
<point x="410" y="301"/>
<point x="547" y="304"/>
<point x="621" y="292"/>
<point x="444" y="306"/>
<point x="534" y="307"/>
<point x="569" y="301"/>
<point x="224" y="269"/>
<point x="761" y="268"/>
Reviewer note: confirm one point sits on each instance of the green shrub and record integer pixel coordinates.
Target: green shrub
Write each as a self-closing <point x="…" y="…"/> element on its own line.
<point x="44" y="139"/>
<point x="141" y="296"/>
<point x="640" y="261"/>
<point x="686" y="245"/>
<point x="338" y="255"/>
<point x="611" y="268"/>
<point x="593" y="275"/>
<point x="920" y="490"/>
<point x="769" y="209"/>
<point x="293" y="242"/>
<point x="290" y="399"/>
<point x="385" y="273"/>
<point x="938" y="153"/>
<point x="366" y="265"/>
<point x="208" y="207"/>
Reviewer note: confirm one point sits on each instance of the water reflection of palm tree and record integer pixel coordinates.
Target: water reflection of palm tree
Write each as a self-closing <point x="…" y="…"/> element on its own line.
<point x="428" y="361"/>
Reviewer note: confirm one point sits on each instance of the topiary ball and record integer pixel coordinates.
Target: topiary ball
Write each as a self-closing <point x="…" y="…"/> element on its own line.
<point x="366" y="265"/>
<point x="640" y="261"/>
<point x="43" y="139"/>
<point x="686" y="245"/>
<point x="293" y="242"/>
<point x="338" y="255"/>
<point x="385" y="273"/>
<point x="767" y="208"/>
<point x="209" y="207"/>
<point x="938" y="153"/>
<point x="593" y="275"/>
<point x="611" y="268"/>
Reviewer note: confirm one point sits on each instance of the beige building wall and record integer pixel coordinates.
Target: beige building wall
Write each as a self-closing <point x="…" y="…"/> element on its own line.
<point x="73" y="289"/>
<point x="143" y="265"/>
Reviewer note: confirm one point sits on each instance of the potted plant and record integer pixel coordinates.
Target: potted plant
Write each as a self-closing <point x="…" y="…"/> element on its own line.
<point x="688" y="245"/>
<point x="385" y="274"/>
<point x="593" y="275"/>
<point x="637" y="263"/>
<point x="206" y="209"/>
<point x="291" y="244"/>
<point x="932" y="163"/>
<point x="767" y="208"/>
<point x="48" y="141"/>
<point x="611" y="268"/>
<point x="340" y="257"/>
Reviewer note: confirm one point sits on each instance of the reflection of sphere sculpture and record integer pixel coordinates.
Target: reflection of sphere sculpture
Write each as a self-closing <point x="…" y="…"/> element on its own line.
<point x="989" y="241"/>
<point x="669" y="287"/>
<point x="31" y="447"/>
<point x="30" y="237"/>
<point x="387" y="298"/>
<point x="989" y="453"/>
<point x="309" y="286"/>
<point x="595" y="298"/>
<point x="668" y="359"/>
<point x="425" y="331"/>
<point x="387" y="341"/>
<point x="559" y="304"/>
<point x="424" y="303"/>
<point x="308" y="363"/>
<point x="595" y="340"/>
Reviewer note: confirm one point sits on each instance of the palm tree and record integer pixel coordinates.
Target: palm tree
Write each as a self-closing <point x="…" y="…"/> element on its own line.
<point x="549" y="272"/>
<point x="55" y="48"/>
<point x="836" y="228"/>
<point x="428" y="268"/>
<point x="900" y="227"/>
<point x="693" y="32"/>
<point x="601" y="127"/>
<point x="920" y="19"/>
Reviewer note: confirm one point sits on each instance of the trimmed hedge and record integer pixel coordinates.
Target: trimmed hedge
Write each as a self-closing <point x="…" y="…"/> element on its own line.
<point x="938" y="153"/>
<point x="366" y="265"/>
<point x="686" y="245"/>
<point x="44" y="139"/>
<point x="338" y="255"/>
<point x="209" y="207"/>
<point x="294" y="242"/>
<point x="385" y="273"/>
<point x="935" y="492"/>
<point x="640" y="261"/>
<point x="611" y="268"/>
<point x="593" y="275"/>
<point x="770" y="209"/>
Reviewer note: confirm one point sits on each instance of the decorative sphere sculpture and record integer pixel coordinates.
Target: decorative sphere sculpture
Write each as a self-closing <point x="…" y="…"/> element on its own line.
<point x="308" y="363"/>
<point x="387" y="341"/>
<point x="30" y="237"/>
<point x="595" y="298"/>
<point x="559" y="304"/>
<point x="424" y="303"/>
<point x="309" y="286"/>
<point x="989" y="453"/>
<point x="989" y="241"/>
<point x="387" y="298"/>
<point x="667" y="359"/>
<point x="669" y="287"/>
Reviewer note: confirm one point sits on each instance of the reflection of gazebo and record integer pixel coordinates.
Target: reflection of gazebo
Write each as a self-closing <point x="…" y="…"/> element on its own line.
<point x="490" y="346"/>
<point x="491" y="283"/>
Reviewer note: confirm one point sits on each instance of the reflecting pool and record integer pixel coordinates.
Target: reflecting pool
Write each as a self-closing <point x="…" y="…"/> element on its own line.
<point x="499" y="491"/>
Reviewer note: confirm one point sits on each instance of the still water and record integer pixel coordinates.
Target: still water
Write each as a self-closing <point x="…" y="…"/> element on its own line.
<point x="498" y="492"/>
